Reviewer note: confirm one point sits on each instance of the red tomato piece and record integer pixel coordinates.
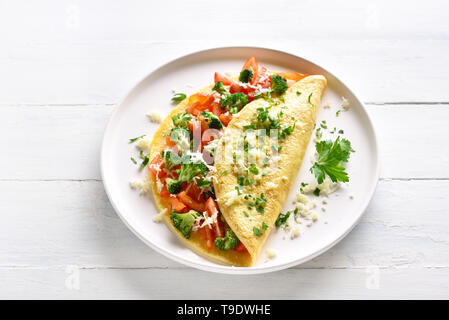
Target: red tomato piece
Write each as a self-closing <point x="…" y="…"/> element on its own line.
<point x="251" y="64"/>
<point x="225" y="118"/>
<point x="220" y="77"/>
<point x="191" y="203"/>
<point x="240" y="248"/>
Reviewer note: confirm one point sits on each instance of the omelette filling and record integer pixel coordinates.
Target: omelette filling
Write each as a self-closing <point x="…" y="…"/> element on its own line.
<point x="183" y="171"/>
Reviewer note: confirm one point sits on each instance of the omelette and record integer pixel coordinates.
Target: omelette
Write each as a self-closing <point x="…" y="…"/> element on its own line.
<point x="223" y="161"/>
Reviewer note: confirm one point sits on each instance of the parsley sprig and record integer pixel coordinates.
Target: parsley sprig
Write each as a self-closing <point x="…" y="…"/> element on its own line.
<point x="330" y="155"/>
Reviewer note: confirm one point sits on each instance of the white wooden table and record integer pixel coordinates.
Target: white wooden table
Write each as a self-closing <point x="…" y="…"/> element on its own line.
<point x="64" y="65"/>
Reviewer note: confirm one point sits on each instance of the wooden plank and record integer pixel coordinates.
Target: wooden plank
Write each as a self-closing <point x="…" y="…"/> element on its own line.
<point x="65" y="141"/>
<point x="102" y="73"/>
<point x="59" y="223"/>
<point x="93" y="53"/>
<point x="177" y="284"/>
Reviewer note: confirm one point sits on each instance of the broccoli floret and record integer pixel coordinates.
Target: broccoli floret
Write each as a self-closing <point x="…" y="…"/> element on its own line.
<point x="278" y="84"/>
<point x="184" y="221"/>
<point x="246" y="75"/>
<point x="181" y="136"/>
<point x="234" y="102"/>
<point x="230" y="241"/>
<point x="190" y="170"/>
<point x="174" y="186"/>
<point x="181" y="119"/>
<point x="220" y="88"/>
<point x="212" y="120"/>
<point x="171" y="159"/>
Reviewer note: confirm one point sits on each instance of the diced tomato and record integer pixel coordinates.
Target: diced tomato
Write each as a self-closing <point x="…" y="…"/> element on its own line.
<point x="194" y="109"/>
<point x="240" y="248"/>
<point x="168" y="142"/>
<point x="251" y="64"/>
<point x="225" y="118"/>
<point x="201" y="98"/>
<point x="164" y="192"/>
<point x="197" y="132"/>
<point x="220" y="77"/>
<point x="215" y="109"/>
<point x="204" y="125"/>
<point x="295" y="76"/>
<point x="263" y="80"/>
<point x="191" y="203"/>
<point x="193" y="191"/>
<point x="209" y="237"/>
<point x="176" y="204"/>
<point x="157" y="162"/>
<point x="235" y="87"/>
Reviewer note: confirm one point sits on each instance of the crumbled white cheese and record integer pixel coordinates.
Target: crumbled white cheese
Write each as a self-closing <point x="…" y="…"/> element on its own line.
<point x="158" y="218"/>
<point x="344" y="103"/>
<point x="323" y="208"/>
<point x="295" y="232"/>
<point x="351" y="196"/>
<point x="155" y="117"/>
<point x="232" y="197"/>
<point x="270" y="185"/>
<point x="144" y="186"/>
<point x="271" y="253"/>
<point x="326" y="105"/>
<point x="143" y="144"/>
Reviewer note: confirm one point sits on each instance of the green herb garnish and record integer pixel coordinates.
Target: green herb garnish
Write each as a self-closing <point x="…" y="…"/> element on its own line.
<point x="282" y="219"/>
<point x="178" y="97"/>
<point x="137" y="138"/>
<point x="330" y="155"/>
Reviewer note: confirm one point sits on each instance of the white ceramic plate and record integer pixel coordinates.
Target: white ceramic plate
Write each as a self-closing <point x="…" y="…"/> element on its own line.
<point x="194" y="71"/>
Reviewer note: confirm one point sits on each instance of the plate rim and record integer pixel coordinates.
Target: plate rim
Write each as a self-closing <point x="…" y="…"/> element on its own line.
<point x="222" y="268"/>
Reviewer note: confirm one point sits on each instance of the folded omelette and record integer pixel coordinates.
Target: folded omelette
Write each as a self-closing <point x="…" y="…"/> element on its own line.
<point x="225" y="158"/>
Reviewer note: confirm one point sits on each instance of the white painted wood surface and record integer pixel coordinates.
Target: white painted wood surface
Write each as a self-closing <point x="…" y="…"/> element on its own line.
<point x="64" y="65"/>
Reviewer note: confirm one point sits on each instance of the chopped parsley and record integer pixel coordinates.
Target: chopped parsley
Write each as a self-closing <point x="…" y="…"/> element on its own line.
<point x="144" y="162"/>
<point x="257" y="231"/>
<point x="337" y="113"/>
<point x="282" y="219"/>
<point x="137" y="138"/>
<point x="316" y="192"/>
<point x="308" y="100"/>
<point x="178" y="97"/>
<point x="133" y="160"/>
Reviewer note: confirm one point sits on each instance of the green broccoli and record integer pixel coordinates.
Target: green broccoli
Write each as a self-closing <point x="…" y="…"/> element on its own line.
<point x="181" y="136"/>
<point x="173" y="186"/>
<point x="220" y="88"/>
<point x="278" y="84"/>
<point x="212" y="120"/>
<point x="234" y="102"/>
<point x="181" y="119"/>
<point x="184" y="221"/>
<point x="170" y="158"/>
<point x="230" y="241"/>
<point x="190" y="170"/>
<point x="246" y="75"/>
